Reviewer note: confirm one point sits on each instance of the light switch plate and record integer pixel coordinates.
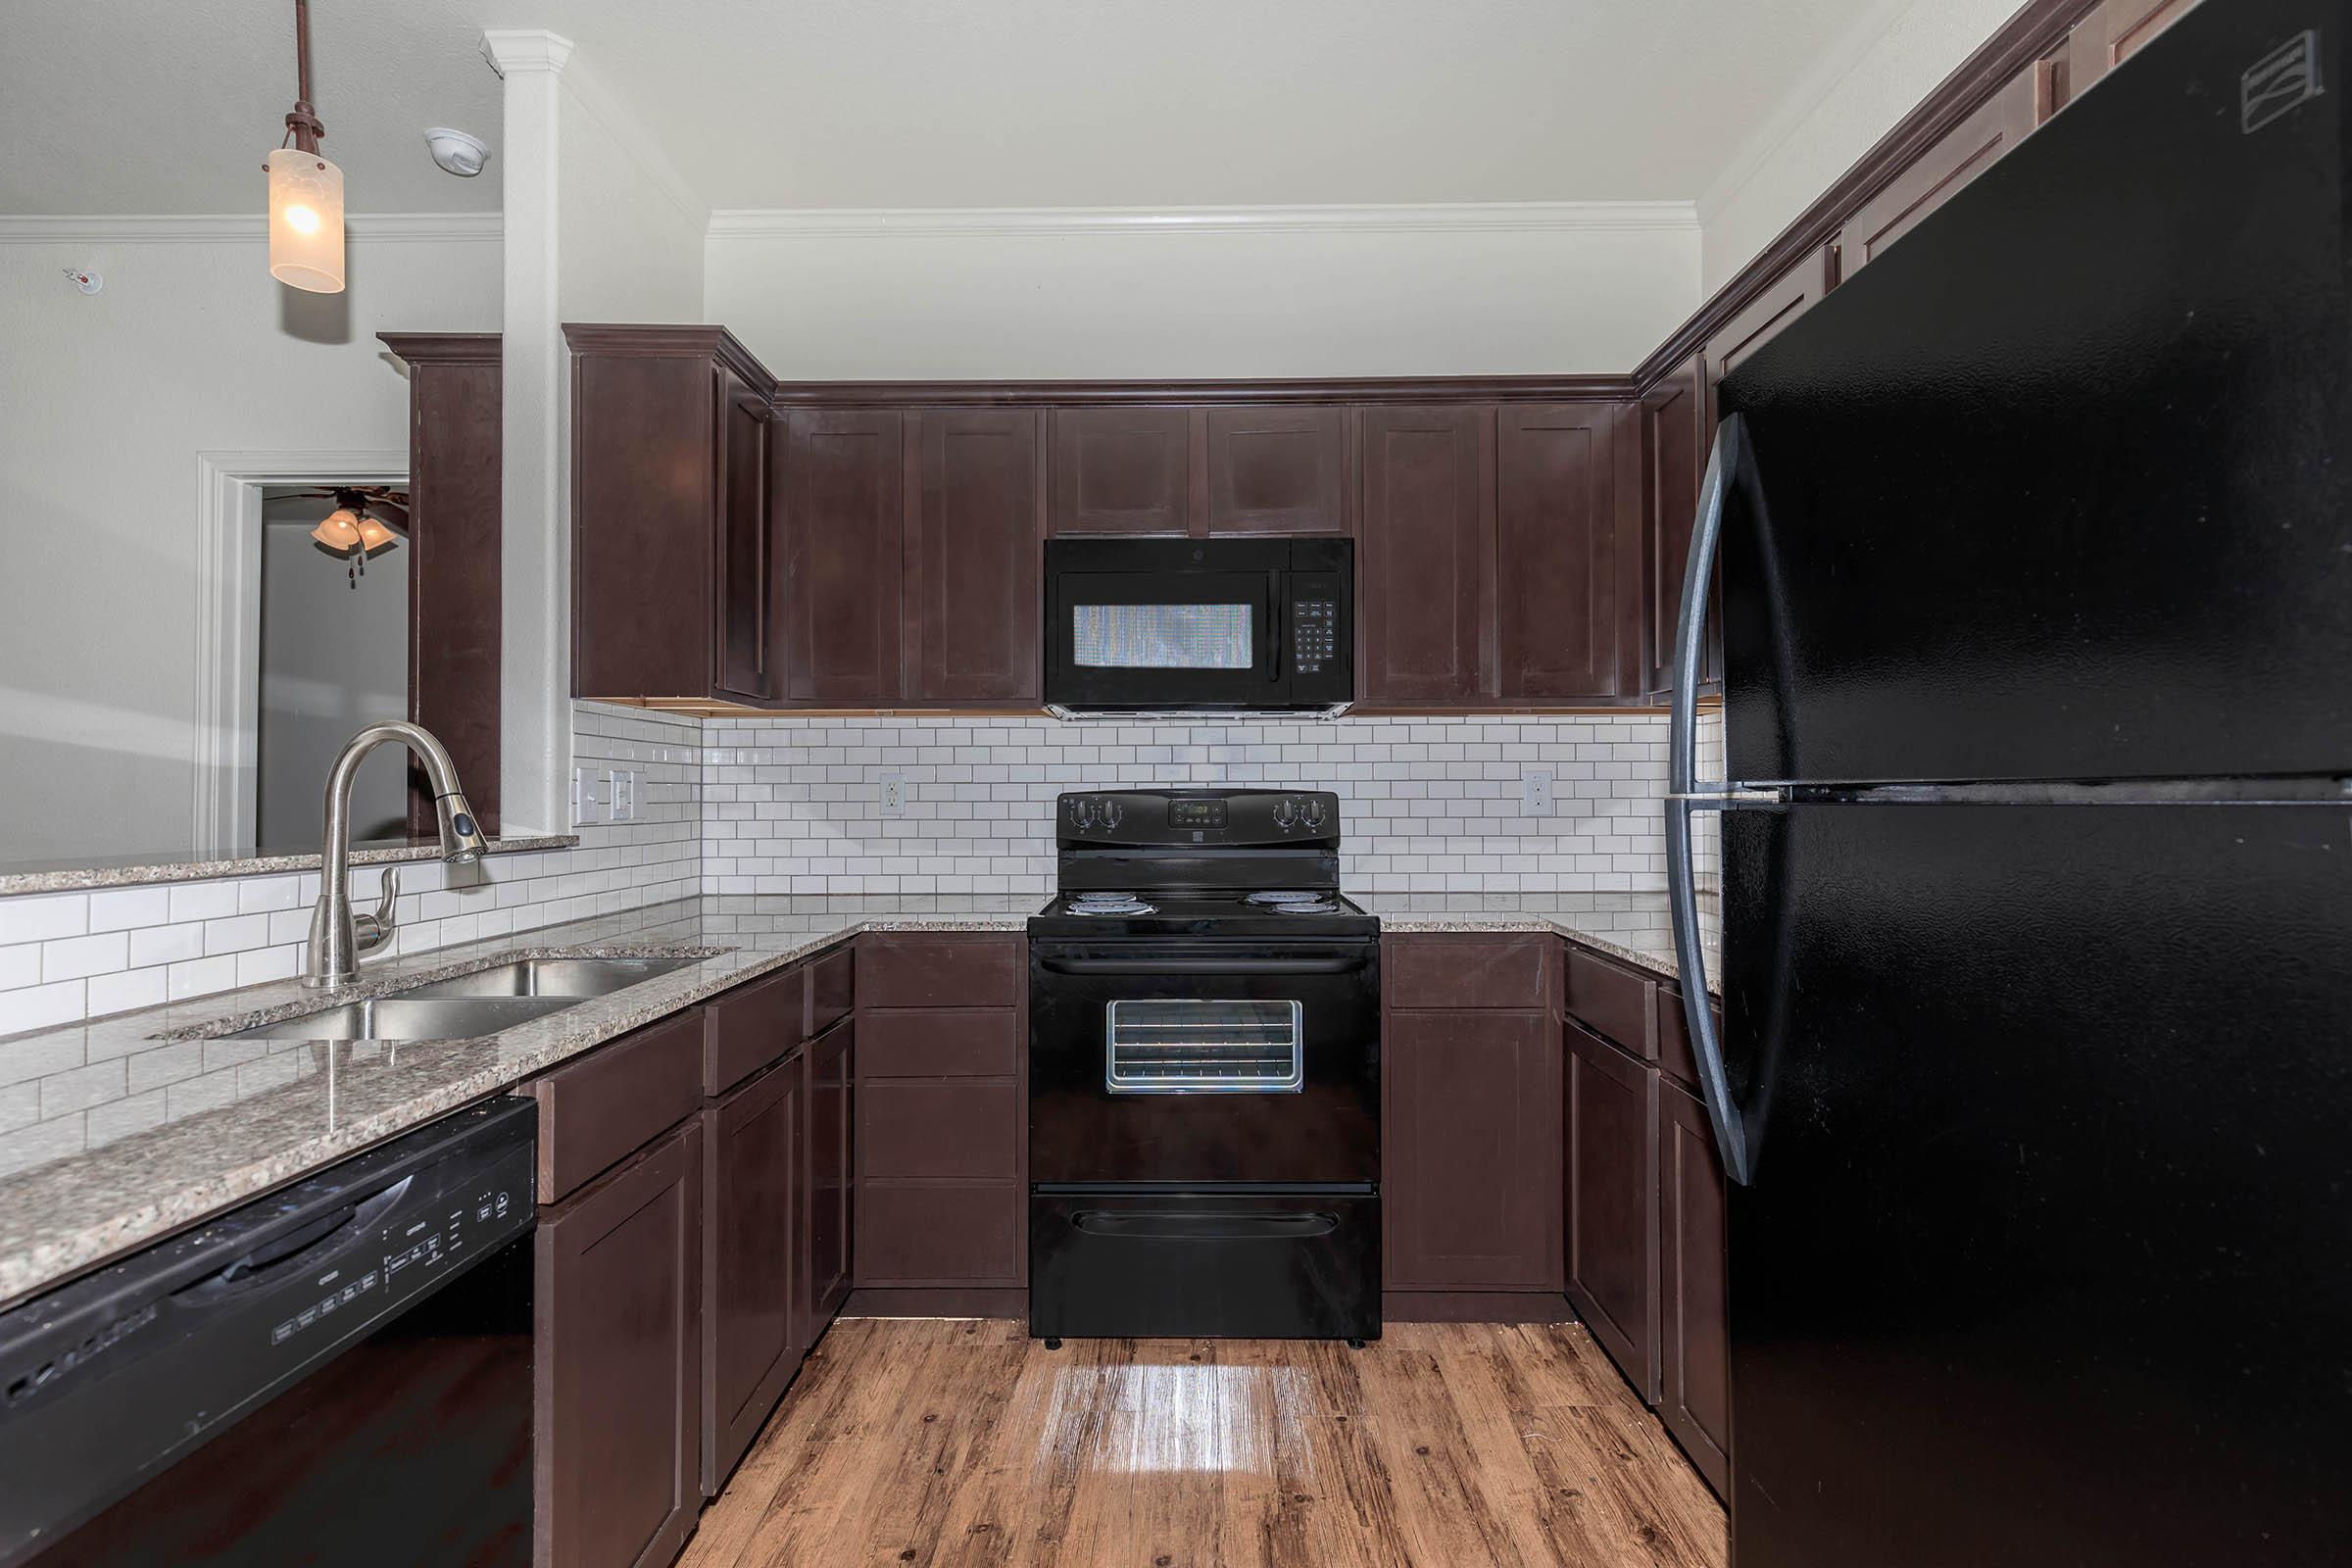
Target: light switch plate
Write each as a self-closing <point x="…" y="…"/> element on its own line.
<point x="621" y="794"/>
<point x="591" y="796"/>
<point x="1534" y="792"/>
<point x="894" y="795"/>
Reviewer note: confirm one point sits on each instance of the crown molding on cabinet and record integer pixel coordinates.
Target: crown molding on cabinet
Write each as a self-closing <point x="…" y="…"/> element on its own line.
<point x="1430" y="217"/>
<point x="1062" y="394"/>
<point x="208" y="228"/>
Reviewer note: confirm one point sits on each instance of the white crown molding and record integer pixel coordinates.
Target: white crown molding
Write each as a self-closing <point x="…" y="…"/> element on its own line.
<point x="589" y="90"/>
<point x="513" y="49"/>
<point x="1430" y="217"/>
<point x="1798" y="104"/>
<point x="206" y="228"/>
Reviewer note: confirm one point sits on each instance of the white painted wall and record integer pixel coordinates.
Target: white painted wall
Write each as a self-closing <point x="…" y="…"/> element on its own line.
<point x="1853" y="96"/>
<point x="1254" y="292"/>
<point x="629" y="235"/>
<point x="105" y="404"/>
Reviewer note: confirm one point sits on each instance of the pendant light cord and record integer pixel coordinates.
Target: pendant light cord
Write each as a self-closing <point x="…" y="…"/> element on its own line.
<point x="303" y="129"/>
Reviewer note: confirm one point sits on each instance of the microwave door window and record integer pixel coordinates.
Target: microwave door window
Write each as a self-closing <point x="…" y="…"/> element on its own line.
<point x="1133" y="636"/>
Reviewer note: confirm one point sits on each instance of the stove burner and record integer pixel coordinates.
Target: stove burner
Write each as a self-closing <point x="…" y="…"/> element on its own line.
<point x="1289" y="895"/>
<point x="1109" y="903"/>
<point x="1319" y="906"/>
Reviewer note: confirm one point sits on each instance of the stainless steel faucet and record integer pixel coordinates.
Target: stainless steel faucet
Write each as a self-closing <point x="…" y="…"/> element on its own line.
<point x="337" y="936"/>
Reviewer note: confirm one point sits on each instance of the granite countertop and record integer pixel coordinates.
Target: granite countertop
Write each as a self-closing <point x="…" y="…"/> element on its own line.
<point x="133" y="870"/>
<point x="273" y="1110"/>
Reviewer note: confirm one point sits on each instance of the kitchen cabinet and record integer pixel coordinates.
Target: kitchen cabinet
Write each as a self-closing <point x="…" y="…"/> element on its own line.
<point x="838" y="485"/>
<point x="1611" y="1203"/>
<point x="1944" y="170"/>
<point x="597" y="1109"/>
<point x="617" y="1365"/>
<point x="1122" y="470"/>
<point x="755" y="1230"/>
<point x="1276" y="469"/>
<point x="830" y="1064"/>
<point x="974" y="555"/>
<point x="1425" y="556"/>
<point x="1695" y="1395"/>
<point x="1771" y="313"/>
<point x="1556" y="530"/>
<point x="2112" y="34"/>
<point x="1676" y="438"/>
<point x="454" y="612"/>
<point x="672" y="587"/>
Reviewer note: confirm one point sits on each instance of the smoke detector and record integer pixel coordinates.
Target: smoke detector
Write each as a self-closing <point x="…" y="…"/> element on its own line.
<point x="457" y="151"/>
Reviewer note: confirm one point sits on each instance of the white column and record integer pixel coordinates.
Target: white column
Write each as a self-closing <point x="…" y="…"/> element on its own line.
<point x="535" y="556"/>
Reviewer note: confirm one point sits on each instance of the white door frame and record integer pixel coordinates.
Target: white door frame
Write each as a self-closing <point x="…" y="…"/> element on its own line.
<point x="229" y="620"/>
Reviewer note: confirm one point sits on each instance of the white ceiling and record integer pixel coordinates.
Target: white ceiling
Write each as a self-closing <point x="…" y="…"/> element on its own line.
<point x="928" y="102"/>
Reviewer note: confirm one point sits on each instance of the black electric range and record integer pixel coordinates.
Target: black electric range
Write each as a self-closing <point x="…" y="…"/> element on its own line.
<point x="1204" y="1072"/>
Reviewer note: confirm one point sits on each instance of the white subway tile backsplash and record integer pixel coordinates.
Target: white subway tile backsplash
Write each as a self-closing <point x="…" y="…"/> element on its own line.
<point x="44" y="916"/>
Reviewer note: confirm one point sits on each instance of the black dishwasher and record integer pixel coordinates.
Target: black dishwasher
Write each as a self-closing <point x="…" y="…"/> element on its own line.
<point x="337" y="1373"/>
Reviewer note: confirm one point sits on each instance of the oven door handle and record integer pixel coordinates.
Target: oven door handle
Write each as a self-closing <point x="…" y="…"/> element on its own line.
<point x="1215" y="967"/>
<point x="1180" y="1225"/>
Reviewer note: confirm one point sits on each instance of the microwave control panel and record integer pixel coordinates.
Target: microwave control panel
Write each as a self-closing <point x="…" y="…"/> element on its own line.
<point x="1315" y="629"/>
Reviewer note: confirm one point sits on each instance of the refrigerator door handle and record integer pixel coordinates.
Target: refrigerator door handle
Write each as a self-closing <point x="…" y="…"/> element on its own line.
<point x="1687" y="796"/>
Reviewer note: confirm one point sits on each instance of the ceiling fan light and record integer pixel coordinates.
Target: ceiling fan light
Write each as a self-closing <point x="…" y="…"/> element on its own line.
<point x="341" y="530"/>
<point x="373" y="535"/>
<point x="306" y="221"/>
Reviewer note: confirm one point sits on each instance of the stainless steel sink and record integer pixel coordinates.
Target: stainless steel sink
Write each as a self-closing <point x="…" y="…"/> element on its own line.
<point x="573" y="978"/>
<point x="412" y="1018"/>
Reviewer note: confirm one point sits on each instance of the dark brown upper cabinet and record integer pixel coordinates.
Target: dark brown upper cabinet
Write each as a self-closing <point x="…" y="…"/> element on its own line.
<point x="2112" y="34"/>
<point x="1425" y="558"/>
<point x="1944" y="170"/>
<point x="454" y="567"/>
<point x="1277" y="470"/>
<point x="670" y="584"/>
<point x="974" y="553"/>
<point x="1674" y="439"/>
<point x="1557" y="567"/>
<point x="1122" y="470"/>
<point x="837" y="484"/>
<point x="744" y="585"/>
<point x="1770" y="314"/>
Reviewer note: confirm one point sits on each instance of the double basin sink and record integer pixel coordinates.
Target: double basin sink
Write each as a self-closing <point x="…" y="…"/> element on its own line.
<point x="467" y="1007"/>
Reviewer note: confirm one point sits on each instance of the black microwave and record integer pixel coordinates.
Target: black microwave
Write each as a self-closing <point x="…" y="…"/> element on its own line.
<point x="1199" y="627"/>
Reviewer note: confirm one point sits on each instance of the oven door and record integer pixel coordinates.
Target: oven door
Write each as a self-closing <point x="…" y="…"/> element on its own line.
<point x="1164" y="640"/>
<point x="1205" y="1060"/>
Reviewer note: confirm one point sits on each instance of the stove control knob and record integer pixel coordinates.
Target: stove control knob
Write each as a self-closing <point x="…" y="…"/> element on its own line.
<point x="1286" y="814"/>
<point x="1315" y="811"/>
<point x="1110" y="812"/>
<point x="1082" y="813"/>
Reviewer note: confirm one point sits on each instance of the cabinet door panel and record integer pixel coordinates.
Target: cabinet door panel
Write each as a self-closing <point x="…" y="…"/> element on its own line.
<point x="619" y="1364"/>
<point x="642" y="532"/>
<point x="1427" y="537"/>
<point x="1784" y="299"/>
<point x="744" y="548"/>
<point x="1941" y="172"/>
<point x="961" y="1129"/>
<point x="1612" y="1166"/>
<point x="1427" y="972"/>
<point x="1122" y="470"/>
<point x="838" y="484"/>
<point x="1694" y="1335"/>
<point x="1675" y="440"/>
<point x="2111" y="35"/>
<point x="1277" y="470"/>
<point x="831" y="1149"/>
<point x="940" y="1234"/>
<point x="974" y="562"/>
<point x="751" y="1262"/>
<point x="1470" y="1151"/>
<point x="1556" y="570"/>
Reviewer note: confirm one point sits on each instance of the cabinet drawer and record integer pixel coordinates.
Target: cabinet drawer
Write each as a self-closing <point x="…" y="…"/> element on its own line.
<point x="939" y="1232"/>
<point x="832" y="988"/>
<point x="914" y="1127"/>
<point x="1614" y="1003"/>
<point x="946" y="1042"/>
<point x="1469" y="971"/>
<point x="939" y="972"/>
<point x="751" y="1026"/>
<point x="1675" y="1052"/>
<point x="603" y="1108"/>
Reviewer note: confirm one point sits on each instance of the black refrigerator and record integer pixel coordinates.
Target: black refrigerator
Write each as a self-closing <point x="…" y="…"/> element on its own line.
<point x="2034" y="542"/>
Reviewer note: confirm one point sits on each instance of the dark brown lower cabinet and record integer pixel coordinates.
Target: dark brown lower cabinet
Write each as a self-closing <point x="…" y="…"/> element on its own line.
<point x="618" y="1376"/>
<point x="1613" y="1207"/>
<point x="1694" y="1399"/>
<point x="1470" y="1151"/>
<point x="755" y="1228"/>
<point x="830" y="1061"/>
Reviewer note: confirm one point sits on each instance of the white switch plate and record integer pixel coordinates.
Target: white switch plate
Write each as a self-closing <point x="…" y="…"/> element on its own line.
<point x="621" y="794"/>
<point x="1534" y="792"/>
<point x="894" y="795"/>
<point x="591" y="796"/>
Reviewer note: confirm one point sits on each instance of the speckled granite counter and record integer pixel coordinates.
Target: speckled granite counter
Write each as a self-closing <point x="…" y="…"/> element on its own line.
<point x="1633" y="926"/>
<point x="133" y="871"/>
<point x="277" y="1108"/>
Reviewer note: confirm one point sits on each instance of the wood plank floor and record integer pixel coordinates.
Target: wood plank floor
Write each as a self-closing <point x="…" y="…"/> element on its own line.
<point x="962" y="1442"/>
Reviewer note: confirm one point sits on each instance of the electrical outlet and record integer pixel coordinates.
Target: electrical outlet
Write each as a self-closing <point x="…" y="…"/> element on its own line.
<point x="591" y="796"/>
<point x="621" y="792"/>
<point x="894" y="795"/>
<point x="1534" y="792"/>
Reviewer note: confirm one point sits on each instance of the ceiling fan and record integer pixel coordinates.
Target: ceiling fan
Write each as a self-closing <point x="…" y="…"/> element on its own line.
<point x="368" y="519"/>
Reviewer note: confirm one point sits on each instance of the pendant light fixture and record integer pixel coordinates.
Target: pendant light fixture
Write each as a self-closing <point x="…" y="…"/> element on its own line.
<point x="306" y="191"/>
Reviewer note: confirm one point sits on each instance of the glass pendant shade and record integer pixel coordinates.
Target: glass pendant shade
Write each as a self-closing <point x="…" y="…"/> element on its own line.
<point x="306" y="221"/>
<point x="340" y="531"/>
<point x="373" y="535"/>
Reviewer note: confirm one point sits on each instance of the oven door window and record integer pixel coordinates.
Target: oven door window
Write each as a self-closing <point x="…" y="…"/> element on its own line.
<point x="1163" y="1046"/>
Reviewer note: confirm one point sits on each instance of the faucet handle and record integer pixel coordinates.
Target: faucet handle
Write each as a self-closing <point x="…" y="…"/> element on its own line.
<point x="372" y="930"/>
